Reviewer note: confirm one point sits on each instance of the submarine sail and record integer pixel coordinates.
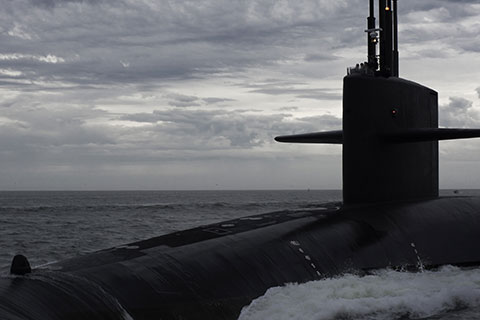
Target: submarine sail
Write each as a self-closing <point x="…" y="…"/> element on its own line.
<point x="390" y="125"/>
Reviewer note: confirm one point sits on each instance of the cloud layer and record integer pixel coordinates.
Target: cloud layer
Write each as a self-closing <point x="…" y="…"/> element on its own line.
<point x="146" y="94"/>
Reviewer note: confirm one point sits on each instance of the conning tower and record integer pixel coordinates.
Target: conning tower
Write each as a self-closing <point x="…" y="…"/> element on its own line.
<point x="390" y="125"/>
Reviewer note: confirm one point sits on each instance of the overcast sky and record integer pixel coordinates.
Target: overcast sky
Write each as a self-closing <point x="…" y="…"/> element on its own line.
<point x="174" y="94"/>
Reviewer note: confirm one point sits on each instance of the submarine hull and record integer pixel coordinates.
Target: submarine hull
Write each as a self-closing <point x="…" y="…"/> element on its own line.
<point x="212" y="272"/>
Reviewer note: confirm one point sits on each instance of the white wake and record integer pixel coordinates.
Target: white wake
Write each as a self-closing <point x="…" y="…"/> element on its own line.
<point x="386" y="294"/>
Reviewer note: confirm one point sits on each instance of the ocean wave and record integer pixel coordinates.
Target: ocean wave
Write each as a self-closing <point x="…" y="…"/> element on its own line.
<point x="385" y="294"/>
<point x="136" y="207"/>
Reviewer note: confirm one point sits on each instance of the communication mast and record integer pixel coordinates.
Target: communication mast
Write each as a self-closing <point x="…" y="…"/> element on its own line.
<point x="386" y="63"/>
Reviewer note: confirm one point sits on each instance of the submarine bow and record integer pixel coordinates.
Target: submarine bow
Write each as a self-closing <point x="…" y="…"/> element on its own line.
<point x="391" y="216"/>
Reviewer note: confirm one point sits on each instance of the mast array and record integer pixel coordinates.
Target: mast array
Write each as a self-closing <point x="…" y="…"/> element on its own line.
<point x="386" y="63"/>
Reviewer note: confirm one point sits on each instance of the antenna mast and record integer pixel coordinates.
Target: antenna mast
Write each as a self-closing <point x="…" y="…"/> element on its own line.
<point x="372" y="38"/>
<point x="388" y="38"/>
<point x="386" y="63"/>
<point x="395" y="40"/>
<point x="386" y="48"/>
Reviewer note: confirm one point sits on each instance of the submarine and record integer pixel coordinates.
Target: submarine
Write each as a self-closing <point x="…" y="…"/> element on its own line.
<point x="391" y="216"/>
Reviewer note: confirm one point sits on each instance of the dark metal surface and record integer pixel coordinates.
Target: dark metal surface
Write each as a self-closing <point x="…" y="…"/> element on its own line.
<point x="376" y="170"/>
<point x="333" y="137"/>
<point x="55" y="296"/>
<point x="395" y="67"/>
<point x="372" y="41"/>
<point x="431" y="134"/>
<point x="215" y="270"/>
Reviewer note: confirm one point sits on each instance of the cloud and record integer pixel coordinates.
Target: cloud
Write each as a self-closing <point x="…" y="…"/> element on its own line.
<point x="306" y="93"/>
<point x="49" y="58"/>
<point x="193" y="129"/>
<point x="212" y="100"/>
<point x="323" y="123"/>
<point x="449" y="25"/>
<point x="288" y="109"/>
<point x="36" y="128"/>
<point x="52" y="3"/>
<point x="301" y="125"/>
<point x="220" y="129"/>
<point x="144" y="42"/>
<point x="180" y="100"/>
<point x="116" y="85"/>
<point x="140" y="43"/>
<point x="320" y="57"/>
<point x="460" y="113"/>
<point x="160" y="40"/>
<point x="299" y="90"/>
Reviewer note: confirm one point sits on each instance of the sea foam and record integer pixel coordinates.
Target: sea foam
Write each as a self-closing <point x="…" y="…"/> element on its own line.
<point x="385" y="294"/>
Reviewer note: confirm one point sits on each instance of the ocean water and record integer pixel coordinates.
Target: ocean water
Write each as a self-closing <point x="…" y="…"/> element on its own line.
<point x="49" y="226"/>
<point x="447" y="293"/>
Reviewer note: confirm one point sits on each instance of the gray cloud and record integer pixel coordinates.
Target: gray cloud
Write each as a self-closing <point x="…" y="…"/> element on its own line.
<point x="320" y="57"/>
<point x="100" y="42"/>
<point x="216" y="129"/>
<point x="299" y="90"/>
<point x="456" y="9"/>
<point x="129" y="41"/>
<point x="53" y="3"/>
<point x="209" y="129"/>
<point x="36" y="128"/>
<point x="440" y="22"/>
<point x="323" y="122"/>
<point x="212" y="100"/>
<point x="459" y="112"/>
<point x="181" y="100"/>
<point x="307" y="125"/>
<point x="318" y="94"/>
<point x="288" y="109"/>
<point x="120" y="86"/>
